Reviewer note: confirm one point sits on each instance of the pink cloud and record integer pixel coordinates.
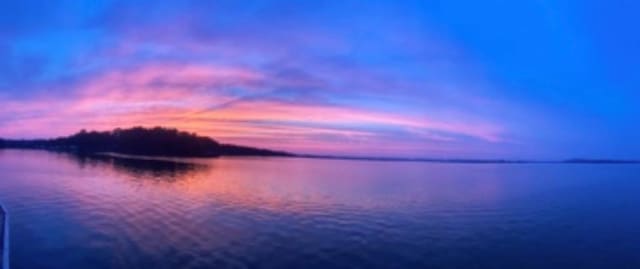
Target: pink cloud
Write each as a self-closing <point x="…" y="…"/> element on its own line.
<point x="193" y="98"/>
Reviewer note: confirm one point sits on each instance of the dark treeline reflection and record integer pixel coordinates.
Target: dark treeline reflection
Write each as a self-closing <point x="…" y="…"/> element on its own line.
<point x="162" y="169"/>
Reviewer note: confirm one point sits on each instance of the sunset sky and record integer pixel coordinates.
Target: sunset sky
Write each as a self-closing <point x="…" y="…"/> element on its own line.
<point x="531" y="79"/>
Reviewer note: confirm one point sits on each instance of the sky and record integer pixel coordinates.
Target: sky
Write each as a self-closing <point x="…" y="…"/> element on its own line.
<point x="529" y="79"/>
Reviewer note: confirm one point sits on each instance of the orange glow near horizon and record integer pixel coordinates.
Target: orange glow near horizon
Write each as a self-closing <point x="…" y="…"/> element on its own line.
<point x="180" y="96"/>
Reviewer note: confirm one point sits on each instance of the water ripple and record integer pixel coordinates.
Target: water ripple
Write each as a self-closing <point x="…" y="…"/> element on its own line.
<point x="239" y="213"/>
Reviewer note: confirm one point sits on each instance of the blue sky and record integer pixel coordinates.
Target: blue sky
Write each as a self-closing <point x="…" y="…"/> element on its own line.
<point x="478" y="79"/>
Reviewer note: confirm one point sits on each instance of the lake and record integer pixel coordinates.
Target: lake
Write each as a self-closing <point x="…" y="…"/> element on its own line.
<point x="76" y="212"/>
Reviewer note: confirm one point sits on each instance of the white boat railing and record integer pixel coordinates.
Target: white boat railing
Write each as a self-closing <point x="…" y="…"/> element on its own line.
<point x="4" y="238"/>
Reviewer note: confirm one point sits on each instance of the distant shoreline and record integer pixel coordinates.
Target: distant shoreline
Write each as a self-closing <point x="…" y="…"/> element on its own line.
<point x="472" y="161"/>
<point x="348" y="158"/>
<point x="166" y="143"/>
<point x="152" y="142"/>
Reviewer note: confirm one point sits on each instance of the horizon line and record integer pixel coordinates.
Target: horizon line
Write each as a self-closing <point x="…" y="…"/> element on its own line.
<point x="376" y="157"/>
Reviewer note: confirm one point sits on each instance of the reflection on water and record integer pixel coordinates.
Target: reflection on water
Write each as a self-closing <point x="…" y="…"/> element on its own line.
<point x="106" y="212"/>
<point x="139" y="167"/>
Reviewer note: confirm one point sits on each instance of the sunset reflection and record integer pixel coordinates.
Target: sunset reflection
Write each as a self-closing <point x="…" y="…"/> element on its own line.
<point x="257" y="182"/>
<point x="174" y="212"/>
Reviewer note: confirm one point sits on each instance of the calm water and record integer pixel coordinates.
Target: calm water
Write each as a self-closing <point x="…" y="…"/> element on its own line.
<point x="69" y="212"/>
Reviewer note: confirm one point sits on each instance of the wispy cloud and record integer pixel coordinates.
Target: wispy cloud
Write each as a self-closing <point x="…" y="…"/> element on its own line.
<point x="304" y="76"/>
<point x="232" y="104"/>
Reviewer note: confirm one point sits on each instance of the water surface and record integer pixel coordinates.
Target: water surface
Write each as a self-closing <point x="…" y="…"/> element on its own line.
<point x="73" y="212"/>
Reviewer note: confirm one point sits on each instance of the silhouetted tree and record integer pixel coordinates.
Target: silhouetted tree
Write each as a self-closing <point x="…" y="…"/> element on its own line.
<point x="156" y="141"/>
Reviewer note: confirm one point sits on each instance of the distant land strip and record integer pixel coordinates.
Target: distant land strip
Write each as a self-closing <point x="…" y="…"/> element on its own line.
<point x="478" y="161"/>
<point x="139" y="142"/>
<point x="155" y="142"/>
